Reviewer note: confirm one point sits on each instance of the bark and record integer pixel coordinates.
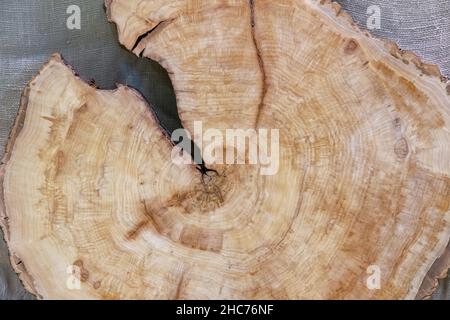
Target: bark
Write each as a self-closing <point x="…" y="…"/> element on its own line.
<point x="363" y="181"/>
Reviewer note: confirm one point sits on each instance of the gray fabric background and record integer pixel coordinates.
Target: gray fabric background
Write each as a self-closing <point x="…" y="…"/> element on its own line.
<point x="34" y="29"/>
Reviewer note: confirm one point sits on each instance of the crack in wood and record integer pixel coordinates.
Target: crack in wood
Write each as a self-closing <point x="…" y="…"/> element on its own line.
<point x="143" y="36"/>
<point x="260" y="62"/>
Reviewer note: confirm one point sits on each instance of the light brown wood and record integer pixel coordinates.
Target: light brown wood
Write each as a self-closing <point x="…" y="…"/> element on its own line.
<point x="363" y="179"/>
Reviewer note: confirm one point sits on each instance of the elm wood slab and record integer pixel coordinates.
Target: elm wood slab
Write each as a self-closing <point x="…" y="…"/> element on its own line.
<point x="363" y="176"/>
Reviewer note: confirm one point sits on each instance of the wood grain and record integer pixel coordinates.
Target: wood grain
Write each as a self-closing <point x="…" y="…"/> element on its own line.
<point x="364" y="175"/>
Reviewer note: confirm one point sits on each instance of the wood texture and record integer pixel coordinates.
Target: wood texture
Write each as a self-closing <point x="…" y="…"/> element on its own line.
<point x="364" y="175"/>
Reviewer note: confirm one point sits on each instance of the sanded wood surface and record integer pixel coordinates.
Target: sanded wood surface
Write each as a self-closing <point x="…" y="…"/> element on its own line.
<point x="363" y="176"/>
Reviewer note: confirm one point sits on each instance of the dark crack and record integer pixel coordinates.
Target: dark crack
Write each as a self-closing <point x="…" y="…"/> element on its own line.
<point x="144" y="35"/>
<point x="260" y="62"/>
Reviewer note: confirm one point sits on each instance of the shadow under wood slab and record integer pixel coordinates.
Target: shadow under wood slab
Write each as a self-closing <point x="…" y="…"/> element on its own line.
<point x="363" y="175"/>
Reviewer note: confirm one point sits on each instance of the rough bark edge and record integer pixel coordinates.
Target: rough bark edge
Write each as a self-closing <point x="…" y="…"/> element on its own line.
<point x="440" y="267"/>
<point x="16" y="262"/>
<point x="407" y="56"/>
<point x="438" y="271"/>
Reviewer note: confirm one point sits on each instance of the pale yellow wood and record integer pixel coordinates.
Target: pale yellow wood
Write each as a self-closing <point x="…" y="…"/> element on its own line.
<point x="363" y="180"/>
